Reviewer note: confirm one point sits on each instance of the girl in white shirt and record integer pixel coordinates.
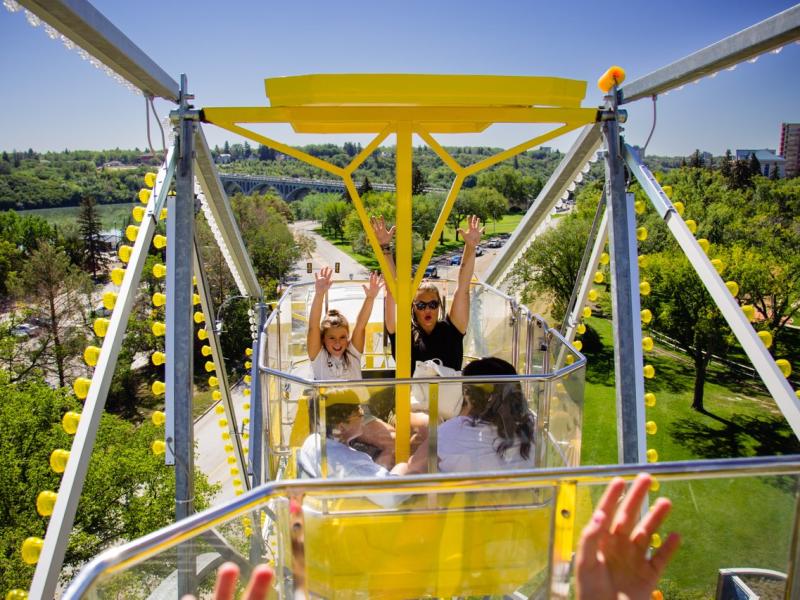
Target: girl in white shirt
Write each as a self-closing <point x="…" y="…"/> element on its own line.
<point x="495" y="429"/>
<point x="335" y="354"/>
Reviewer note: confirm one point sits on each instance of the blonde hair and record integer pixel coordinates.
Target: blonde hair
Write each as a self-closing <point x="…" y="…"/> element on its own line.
<point x="427" y="286"/>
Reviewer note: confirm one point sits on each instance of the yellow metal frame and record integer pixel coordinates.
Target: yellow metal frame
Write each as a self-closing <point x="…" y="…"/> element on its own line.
<point x="404" y="105"/>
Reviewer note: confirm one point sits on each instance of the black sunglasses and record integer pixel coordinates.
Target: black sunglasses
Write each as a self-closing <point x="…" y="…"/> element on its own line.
<point x="433" y="305"/>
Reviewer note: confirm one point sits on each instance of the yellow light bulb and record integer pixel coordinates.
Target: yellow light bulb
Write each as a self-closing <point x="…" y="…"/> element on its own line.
<point x="222" y="422"/>
<point x="158" y="358"/>
<point x="216" y="395"/>
<point x="587" y="312"/>
<point x="205" y="350"/>
<point x="58" y="460"/>
<point x="131" y="231"/>
<point x="655" y="485"/>
<point x="91" y="355"/>
<point x="733" y="288"/>
<point x="158" y="418"/>
<point x="226" y="436"/>
<point x="159" y="329"/>
<point x="31" y="549"/>
<point x="785" y="366"/>
<point x="766" y="338"/>
<point x="578" y="345"/>
<point x="245" y="436"/>
<point x="641" y="234"/>
<point x="45" y="502"/>
<point x="234" y="471"/>
<point x="246" y="406"/>
<point x="109" y="300"/>
<point x="248" y="379"/>
<point x="604" y="258"/>
<point x="649" y="399"/>
<point x="138" y="214"/>
<point x="159" y="241"/>
<point x="246" y="392"/>
<point x="248" y="352"/>
<point x="159" y="299"/>
<point x="17" y="594"/>
<point x="749" y="311"/>
<point x="649" y="371"/>
<point x="592" y="295"/>
<point x="195" y="299"/>
<point x="580" y="329"/>
<point x="219" y="409"/>
<point x="162" y="216"/>
<point x="213" y="381"/>
<point x="718" y="265"/>
<point x="667" y="191"/>
<point x="149" y="179"/>
<point x="199" y="317"/>
<point x="248" y="364"/>
<point x="652" y="455"/>
<point x="117" y="275"/>
<point x="655" y="539"/>
<point x="202" y="335"/>
<point x="158" y="447"/>
<point x="647" y="344"/>
<point x="144" y="195"/>
<point x="229" y="449"/>
<point x="643" y="261"/>
<point x="124" y="253"/>
<point x="651" y="428"/>
<point x="81" y="387"/>
<point x="638" y="207"/>
<point x="159" y="271"/>
<point x="679" y="207"/>
<point x="69" y="423"/>
<point x="644" y="288"/>
<point x="231" y="460"/>
<point x="209" y="366"/>
<point x="158" y="388"/>
<point x="691" y="225"/>
<point x="599" y="277"/>
<point x="704" y="244"/>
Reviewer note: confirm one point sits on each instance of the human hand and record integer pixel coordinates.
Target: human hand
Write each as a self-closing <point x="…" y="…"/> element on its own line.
<point x="323" y="280"/>
<point x="373" y="286"/>
<point x="612" y="562"/>
<point x="379" y="227"/>
<point x="228" y="574"/>
<point x="472" y="235"/>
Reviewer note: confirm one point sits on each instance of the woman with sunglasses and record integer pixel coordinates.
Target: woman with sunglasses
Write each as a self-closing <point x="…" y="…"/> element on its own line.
<point x="434" y="335"/>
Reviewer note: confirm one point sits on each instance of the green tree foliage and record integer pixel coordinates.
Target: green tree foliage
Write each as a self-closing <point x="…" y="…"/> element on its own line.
<point x="418" y="181"/>
<point x="128" y="493"/>
<point x="334" y="214"/>
<point x="55" y="293"/>
<point x="517" y="188"/>
<point x="550" y="265"/>
<point x="90" y="229"/>
<point x="484" y="202"/>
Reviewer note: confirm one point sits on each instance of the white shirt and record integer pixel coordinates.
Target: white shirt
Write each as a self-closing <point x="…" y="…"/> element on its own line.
<point x="463" y="447"/>
<point x="343" y="461"/>
<point x="326" y="366"/>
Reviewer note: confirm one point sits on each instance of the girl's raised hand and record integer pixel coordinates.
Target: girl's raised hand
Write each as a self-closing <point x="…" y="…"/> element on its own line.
<point x="374" y="285"/>
<point x="323" y="280"/>
<point x="379" y="227"/>
<point x="472" y="235"/>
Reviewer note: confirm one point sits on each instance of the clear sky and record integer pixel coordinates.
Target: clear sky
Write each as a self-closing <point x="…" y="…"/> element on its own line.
<point x="51" y="99"/>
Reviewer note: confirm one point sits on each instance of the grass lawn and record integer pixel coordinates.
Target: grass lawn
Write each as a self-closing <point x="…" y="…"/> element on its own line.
<point x="505" y="225"/>
<point x="724" y="522"/>
<point x="111" y="215"/>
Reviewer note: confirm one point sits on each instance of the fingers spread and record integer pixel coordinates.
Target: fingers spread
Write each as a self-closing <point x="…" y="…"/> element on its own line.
<point x="627" y="514"/>
<point x="652" y="521"/>
<point x="260" y="580"/>
<point x="608" y="503"/>
<point x="591" y="536"/>
<point x="226" y="581"/>
<point x="663" y="555"/>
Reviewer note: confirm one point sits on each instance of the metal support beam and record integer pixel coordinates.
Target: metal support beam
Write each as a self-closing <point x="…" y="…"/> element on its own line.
<point x="221" y="211"/>
<point x="568" y="169"/>
<point x="258" y="431"/>
<point x="759" y="356"/>
<point x="767" y="35"/>
<point x="88" y="28"/>
<point x="180" y="330"/>
<point x="48" y="569"/>
<point x="626" y="311"/>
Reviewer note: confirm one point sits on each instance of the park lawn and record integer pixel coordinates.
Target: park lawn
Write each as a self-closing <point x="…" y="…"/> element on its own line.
<point x="112" y="216"/>
<point x="505" y="225"/>
<point x="729" y="522"/>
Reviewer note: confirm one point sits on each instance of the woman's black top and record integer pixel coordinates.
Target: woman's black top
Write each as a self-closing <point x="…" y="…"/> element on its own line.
<point x="444" y="342"/>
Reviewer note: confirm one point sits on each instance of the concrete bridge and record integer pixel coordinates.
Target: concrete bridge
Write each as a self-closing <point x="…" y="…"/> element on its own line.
<point x="289" y="188"/>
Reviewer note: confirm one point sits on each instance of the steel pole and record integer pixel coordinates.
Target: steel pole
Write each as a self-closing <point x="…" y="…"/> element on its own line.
<point x="179" y="341"/>
<point x="626" y="311"/>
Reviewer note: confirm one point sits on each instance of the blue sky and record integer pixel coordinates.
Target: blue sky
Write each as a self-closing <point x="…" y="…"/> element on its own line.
<point x="52" y="100"/>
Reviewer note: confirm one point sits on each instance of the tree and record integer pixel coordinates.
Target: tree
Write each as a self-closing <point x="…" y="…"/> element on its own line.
<point x="334" y="214"/>
<point x="696" y="160"/>
<point x="683" y="310"/>
<point x="754" y="164"/>
<point x="551" y="264"/>
<point x="418" y="182"/>
<point x="741" y="175"/>
<point x="128" y="492"/>
<point x="90" y="228"/>
<point x="247" y="151"/>
<point x="365" y="187"/>
<point x="726" y="164"/>
<point x="55" y="292"/>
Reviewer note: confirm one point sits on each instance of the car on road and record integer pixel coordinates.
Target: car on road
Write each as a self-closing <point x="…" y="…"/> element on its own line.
<point x="478" y="251"/>
<point x="494" y="243"/>
<point x="455" y="260"/>
<point x="431" y="272"/>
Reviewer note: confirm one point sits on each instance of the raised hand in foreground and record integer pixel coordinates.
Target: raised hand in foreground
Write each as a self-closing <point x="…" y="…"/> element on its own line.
<point x="613" y="561"/>
<point x="228" y="574"/>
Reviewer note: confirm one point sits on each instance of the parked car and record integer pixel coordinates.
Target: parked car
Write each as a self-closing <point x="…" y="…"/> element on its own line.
<point x="478" y="251"/>
<point x="24" y="330"/>
<point x="432" y="272"/>
<point x="494" y="243"/>
<point x="455" y="260"/>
